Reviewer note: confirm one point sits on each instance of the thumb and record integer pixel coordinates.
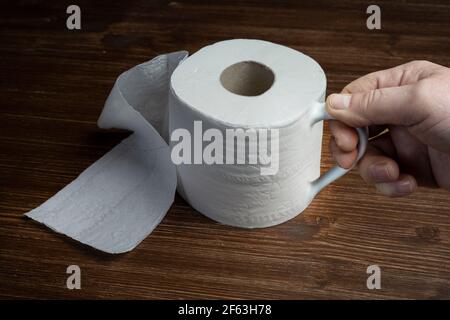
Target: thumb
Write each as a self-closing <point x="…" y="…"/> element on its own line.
<point x="394" y="105"/>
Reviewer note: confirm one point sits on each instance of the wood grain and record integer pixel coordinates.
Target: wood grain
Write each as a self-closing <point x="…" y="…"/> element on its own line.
<point x="53" y="86"/>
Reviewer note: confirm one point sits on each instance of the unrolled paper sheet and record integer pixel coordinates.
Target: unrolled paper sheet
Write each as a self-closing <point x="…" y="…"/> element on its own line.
<point x="118" y="201"/>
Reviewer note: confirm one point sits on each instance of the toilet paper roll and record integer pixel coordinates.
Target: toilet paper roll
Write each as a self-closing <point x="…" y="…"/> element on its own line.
<point x="117" y="202"/>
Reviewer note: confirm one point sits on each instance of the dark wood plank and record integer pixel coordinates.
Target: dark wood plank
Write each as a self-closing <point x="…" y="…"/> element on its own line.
<point x="54" y="83"/>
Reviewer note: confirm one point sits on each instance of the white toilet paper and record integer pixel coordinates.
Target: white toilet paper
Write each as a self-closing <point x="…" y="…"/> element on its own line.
<point x="114" y="204"/>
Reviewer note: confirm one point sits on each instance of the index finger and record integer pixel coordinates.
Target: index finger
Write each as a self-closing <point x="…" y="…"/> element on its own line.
<point x="401" y="75"/>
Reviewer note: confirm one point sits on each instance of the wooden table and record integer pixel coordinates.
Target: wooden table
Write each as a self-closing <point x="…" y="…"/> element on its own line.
<point x="53" y="86"/>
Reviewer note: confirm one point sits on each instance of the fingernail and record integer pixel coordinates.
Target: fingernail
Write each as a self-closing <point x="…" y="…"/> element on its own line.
<point x="404" y="186"/>
<point x="380" y="172"/>
<point x="340" y="101"/>
<point x="397" y="188"/>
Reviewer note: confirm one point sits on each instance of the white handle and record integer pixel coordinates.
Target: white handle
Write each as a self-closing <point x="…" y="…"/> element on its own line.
<point x="320" y="114"/>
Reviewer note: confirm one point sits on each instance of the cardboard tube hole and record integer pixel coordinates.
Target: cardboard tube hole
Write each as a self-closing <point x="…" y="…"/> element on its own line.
<point x="247" y="78"/>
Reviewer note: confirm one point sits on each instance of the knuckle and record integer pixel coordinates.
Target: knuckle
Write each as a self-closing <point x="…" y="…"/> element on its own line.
<point x="422" y="91"/>
<point x="369" y="99"/>
<point x="422" y="63"/>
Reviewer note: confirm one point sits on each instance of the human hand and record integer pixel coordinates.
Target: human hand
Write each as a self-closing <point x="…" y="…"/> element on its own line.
<point x="407" y="109"/>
